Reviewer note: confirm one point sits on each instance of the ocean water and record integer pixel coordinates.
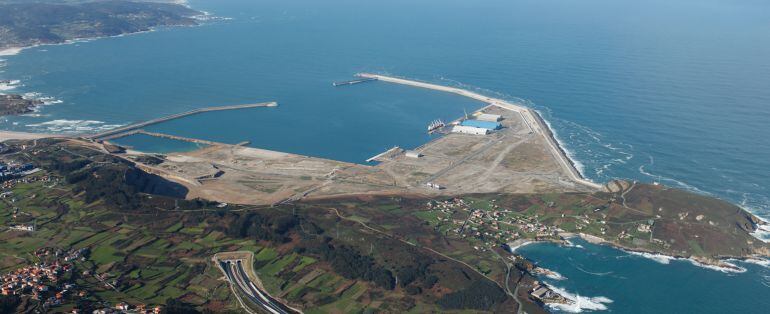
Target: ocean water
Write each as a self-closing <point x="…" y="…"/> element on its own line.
<point x="601" y="278"/>
<point x="676" y="91"/>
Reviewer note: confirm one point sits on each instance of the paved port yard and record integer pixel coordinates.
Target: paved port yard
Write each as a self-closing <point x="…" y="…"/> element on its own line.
<point x="522" y="157"/>
<point x="510" y="160"/>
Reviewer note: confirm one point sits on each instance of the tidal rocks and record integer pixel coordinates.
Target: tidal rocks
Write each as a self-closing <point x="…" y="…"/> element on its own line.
<point x="13" y="104"/>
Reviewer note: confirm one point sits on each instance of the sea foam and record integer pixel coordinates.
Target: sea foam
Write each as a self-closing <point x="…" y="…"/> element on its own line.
<point x="73" y="126"/>
<point x="665" y="259"/>
<point x="580" y="303"/>
<point x="12" y="84"/>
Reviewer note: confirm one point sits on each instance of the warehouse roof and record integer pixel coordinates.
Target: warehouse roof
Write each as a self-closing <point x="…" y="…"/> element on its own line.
<point x="489" y="117"/>
<point x="482" y="124"/>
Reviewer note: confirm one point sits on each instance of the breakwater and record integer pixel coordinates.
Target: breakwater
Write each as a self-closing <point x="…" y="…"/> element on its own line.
<point x="353" y="82"/>
<point x="128" y="128"/>
<point x="533" y="120"/>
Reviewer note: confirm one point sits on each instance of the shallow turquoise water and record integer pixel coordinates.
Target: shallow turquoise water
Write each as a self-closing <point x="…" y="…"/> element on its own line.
<point x="676" y="91"/>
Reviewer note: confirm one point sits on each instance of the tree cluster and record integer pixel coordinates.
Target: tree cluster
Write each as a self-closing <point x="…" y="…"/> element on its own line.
<point x="270" y="228"/>
<point x="349" y="263"/>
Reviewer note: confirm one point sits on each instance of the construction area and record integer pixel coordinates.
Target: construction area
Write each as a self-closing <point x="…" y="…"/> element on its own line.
<point x="502" y="147"/>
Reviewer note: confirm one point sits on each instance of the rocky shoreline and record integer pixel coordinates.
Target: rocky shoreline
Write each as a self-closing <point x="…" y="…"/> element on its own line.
<point x="15" y="104"/>
<point x="718" y="262"/>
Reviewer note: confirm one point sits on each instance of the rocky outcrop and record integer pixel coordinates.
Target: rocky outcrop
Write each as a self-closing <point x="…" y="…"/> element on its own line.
<point x="13" y="104"/>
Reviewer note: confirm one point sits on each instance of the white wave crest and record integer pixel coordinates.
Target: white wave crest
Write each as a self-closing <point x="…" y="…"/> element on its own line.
<point x="660" y="258"/>
<point x="756" y="261"/>
<point x="569" y="243"/>
<point x="554" y="275"/>
<point x="571" y="155"/>
<point x="762" y="233"/>
<point x="580" y="303"/>
<point x="11" y="84"/>
<point x="73" y="126"/>
<point x="665" y="260"/>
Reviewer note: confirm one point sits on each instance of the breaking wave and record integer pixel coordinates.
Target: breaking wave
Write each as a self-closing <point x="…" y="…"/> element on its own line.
<point x="555" y="275"/>
<point x="580" y="303"/>
<point x="660" y="258"/>
<point x="756" y="261"/>
<point x="9" y="85"/>
<point x="665" y="260"/>
<point x="762" y="233"/>
<point x="73" y="126"/>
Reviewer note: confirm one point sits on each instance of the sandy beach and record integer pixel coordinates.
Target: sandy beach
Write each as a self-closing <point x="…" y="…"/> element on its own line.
<point x="12" y="135"/>
<point x="10" y="51"/>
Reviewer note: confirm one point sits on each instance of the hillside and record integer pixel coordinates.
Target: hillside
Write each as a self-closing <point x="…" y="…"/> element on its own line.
<point x="136" y="238"/>
<point x="28" y="23"/>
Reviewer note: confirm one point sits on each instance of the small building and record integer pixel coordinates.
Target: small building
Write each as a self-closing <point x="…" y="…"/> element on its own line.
<point x="489" y="117"/>
<point x="469" y="130"/>
<point x="23" y="228"/>
<point x="482" y="124"/>
<point x="413" y="154"/>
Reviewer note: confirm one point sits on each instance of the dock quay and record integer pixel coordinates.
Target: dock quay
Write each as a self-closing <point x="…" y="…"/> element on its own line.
<point x="127" y="128"/>
<point x="187" y="139"/>
<point x="356" y="81"/>
<point x="171" y="137"/>
<point x="533" y="120"/>
<point x="388" y="153"/>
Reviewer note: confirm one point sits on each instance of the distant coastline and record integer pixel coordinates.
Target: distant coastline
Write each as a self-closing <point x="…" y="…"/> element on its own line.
<point x="154" y="15"/>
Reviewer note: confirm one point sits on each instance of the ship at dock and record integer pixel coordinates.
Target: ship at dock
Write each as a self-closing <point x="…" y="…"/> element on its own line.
<point x="435" y="125"/>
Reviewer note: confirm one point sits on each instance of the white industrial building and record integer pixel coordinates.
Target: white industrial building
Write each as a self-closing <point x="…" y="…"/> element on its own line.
<point x="469" y="130"/>
<point x="489" y="117"/>
<point x="413" y="154"/>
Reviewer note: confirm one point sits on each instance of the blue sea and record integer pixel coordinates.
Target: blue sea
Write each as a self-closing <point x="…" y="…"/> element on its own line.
<point x="675" y="91"/>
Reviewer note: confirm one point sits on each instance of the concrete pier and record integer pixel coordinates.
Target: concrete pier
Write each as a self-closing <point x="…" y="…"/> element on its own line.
<point x="533" y="120"/>
<point x="186" y="139"/>
<point x="124" y="129"/>
<point x="390" y="152"/>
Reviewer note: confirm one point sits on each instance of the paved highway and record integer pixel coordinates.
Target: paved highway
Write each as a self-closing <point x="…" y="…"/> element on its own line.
<point x="237" y="276"/>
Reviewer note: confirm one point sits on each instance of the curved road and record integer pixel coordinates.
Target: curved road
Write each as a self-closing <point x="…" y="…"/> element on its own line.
<point x="237" y="277"/>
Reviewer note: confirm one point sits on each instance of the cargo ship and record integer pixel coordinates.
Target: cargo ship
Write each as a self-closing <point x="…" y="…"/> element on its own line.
<point x="435" y="125"/>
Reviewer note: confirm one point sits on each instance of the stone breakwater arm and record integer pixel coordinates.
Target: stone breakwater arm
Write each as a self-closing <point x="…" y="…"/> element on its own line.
<point x="531" y="118"/>
<point x="176" y="116"/>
